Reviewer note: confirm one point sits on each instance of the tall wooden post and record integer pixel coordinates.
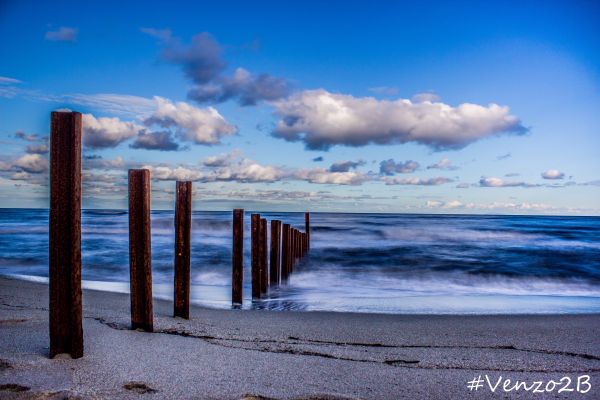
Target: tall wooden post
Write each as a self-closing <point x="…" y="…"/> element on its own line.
<point x="264" y="257"/>
<point x="183" y="228"/>
<point x="140" y="269"/>
<point x="237" y="258"/>
<point x="307" y="229"/>
<point x="255" y="237"/>
<point x="275" y="253"/>
<point x="285" y="251"/>
<point x="66" y="331"/>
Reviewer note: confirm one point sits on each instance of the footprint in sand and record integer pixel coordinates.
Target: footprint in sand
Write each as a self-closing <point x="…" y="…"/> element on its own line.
<point x="13" y="387"/>
<point x="139" y="387"/>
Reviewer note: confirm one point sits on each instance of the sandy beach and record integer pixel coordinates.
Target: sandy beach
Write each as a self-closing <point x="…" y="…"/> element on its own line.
<point x="234" y="354"/>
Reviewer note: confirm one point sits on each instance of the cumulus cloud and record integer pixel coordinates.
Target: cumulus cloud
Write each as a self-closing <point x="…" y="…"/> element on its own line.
<point x="345" y="166"/>
<point x="29" y="138"/>
<point x="417" y="181"/>
<point x="162" y="140"/>
<point x="499" y="182"/>
<point x="94" y="161"/>
<point x="199" y="125"/>
<point x="32" y="163"/>
<point x="324" y="176"/>
<point x="37" y="149"/>
<point x="62" y="34"/>
<point x="444" y="164"/>
<point x="179" y="173"/>
<point x="322" y="119"/>
<point x="244" y="171"/>
<point x="390" y="167"/>
<point x="553" y="174"/>
<point x="107" y="132"/>
<point x="246" y="87"/>
<point x="221" y="160"/>
<point x="202" y="62"/>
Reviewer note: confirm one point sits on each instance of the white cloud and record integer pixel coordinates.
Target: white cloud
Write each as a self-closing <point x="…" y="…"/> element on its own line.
<point x="444" y="164"/>
<point x="323" y="176"/>
<point x="553" y="174"/>
<point x="322" y="119"/>
<point x="499" y="182"/>
<point x="107" y="132"/>
<point x="32" y="163"/>
<point x="199" y="125"/>
<point x="223" y="159"/>
<point x="416" y="181"/>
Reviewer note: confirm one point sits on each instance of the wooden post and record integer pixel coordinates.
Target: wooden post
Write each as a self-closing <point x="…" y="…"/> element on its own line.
<point x="285" y="252"/>
<point x="237" y="258"/>
<point x="183" y="227"/>
<point x="307" y="229"/>
<point x="275" y="259"/>
<point x="66" y="331"/>
<point x="140" y="269"/>
<point x="255" y="236"/>
<point x="264" y="257"/>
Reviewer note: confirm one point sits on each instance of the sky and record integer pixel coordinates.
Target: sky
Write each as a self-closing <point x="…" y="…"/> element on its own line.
<point x="344" y="106"/>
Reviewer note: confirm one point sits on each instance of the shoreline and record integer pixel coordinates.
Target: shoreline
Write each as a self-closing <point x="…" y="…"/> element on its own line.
<point x="226" y="354"/>
<point x="216" y="297"/>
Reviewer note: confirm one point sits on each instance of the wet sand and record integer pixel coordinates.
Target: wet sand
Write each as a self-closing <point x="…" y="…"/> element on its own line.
<point x="235" y="354"/>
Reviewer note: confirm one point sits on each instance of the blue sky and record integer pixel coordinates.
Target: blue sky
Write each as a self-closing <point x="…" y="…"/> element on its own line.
<point x="481" y="107"/>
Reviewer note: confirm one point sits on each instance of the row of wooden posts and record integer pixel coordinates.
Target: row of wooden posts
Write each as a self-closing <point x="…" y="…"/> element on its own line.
<point x="288" y="244"/>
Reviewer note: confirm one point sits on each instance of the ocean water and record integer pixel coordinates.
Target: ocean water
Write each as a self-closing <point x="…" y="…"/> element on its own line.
<point x="390" y="263"/>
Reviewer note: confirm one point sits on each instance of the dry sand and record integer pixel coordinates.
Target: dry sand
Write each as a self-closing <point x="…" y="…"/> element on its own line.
<point x="233" y="354"/>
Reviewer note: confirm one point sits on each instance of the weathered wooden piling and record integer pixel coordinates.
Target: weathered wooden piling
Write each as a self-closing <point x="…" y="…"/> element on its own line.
<point x="183" y="228"/>
<point x="66" y="331"/>
<point x="237" y="258"/>
<point x="264" y="257"/>
<point x="307" y="229"/>
<point x="255" y="237"/>
<point x="139" y="250"/>
<point x="275" y="263"/>
<point x="285" y="251"/>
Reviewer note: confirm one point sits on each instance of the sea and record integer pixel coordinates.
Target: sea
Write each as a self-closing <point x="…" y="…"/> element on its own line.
<point x="369" y="263"/>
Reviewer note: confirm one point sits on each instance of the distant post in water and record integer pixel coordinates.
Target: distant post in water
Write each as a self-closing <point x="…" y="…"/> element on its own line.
<point x="255" y="237"/>
<point x="66" y="331"/>
<point x="237" y="260"/>
<point x="140" y="269"/>
<point x="307" y="229"/>
<point x="285" y="251"/>
<point x="275" y="253"/>
<point x="264" y="257"/>
<point x="183" y="227"/>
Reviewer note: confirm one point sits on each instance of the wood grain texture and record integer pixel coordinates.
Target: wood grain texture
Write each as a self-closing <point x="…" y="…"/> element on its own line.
<point x="264" y="257"/>
<point x="140" y="269"/>
<point x="237" y="258"/>
<point x="255" y="238"/>
<point x="307" y="228"/>
<point x="66" y="331"/>
<point x="285" y="252"/>
<point x="275" y="258"/>
<point x="183" y="227"/>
